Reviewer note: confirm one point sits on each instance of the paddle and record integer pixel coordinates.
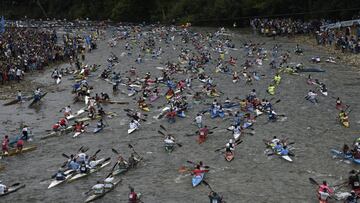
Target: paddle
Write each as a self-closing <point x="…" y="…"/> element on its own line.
<point x="131" y="147"/>
<point x="64" y="155"/>
<point x="93" y="156"/>
<point x="15" y="184"/>
<point x="208" y="185"/>
<point x="115" y="151"/>
<point x="193" y="163"/>
<point x="162" y="127"/>
<point x="236" y="143"/>
<point x="313" y="181"/>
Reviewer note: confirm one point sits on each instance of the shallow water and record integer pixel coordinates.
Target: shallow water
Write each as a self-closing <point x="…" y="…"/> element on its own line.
<point x="251" y="176"/>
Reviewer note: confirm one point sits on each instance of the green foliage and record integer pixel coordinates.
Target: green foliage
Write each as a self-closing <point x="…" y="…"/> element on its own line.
<point x="195" y="11"/>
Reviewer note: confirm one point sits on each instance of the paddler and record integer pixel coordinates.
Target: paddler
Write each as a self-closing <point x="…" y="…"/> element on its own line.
<point x="169" y="140"/>
<point x="311" y="96"/>
<point x="79" y="127"/>
<point x="63" y="122"/>
<point x="98" y="188"/>
<point x="354" y="181"/>
<point x="171" y="115"/>
<point x="56" y="127"/>
<point x="5" y="145"/>
<point x="67" y="111"/>
<point x="19" y="96"/>
<point x="325" y="186"/>
<point x="134" y="124"/>
<point x="100" y="124"/>
<point x="72" y="164"/>
<point x="122" y="163"/>
<point x="339" y="104"/>
<point x="198" y="120"/>
<point x="101" y="112"/>
<point x="3" y="188"/>
<point x="141" y="103"/>
<point x="203" y="133"/>
<point x="271" y="89"/>
<point x="59" y="175"/>
<point x="132" y="161"/>
<point x="352" y="198"/>
<point x="133" y="197"/>
<point x="277" y="79"/>
<point x="104" y="96"/>
<point x="214" y="197"/>
<point x="25" y="133"/>
<point x="198" y="171"/>
<point x="19" y="145"/>
<point x="323" y="194"/>
<point x="230" y="146"/>
<point x="37" y="94"/>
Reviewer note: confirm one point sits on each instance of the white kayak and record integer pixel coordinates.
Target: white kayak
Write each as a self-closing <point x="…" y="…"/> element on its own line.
<point x="93" y="170"/>
<point x="131" y="130"/>
<point x="77" y="134"/>
<point x="78" y="113"/>
<point x="58" y="80"/>
<point x="86" y="100"/>
<point x="67" y="173"/>
<point x="287" y="158"/>
<point x="237" y="135"/>
<point x="324" y="93"/>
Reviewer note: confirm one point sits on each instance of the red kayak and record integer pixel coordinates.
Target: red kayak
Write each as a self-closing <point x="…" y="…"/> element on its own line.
<point x="229" y="156"/>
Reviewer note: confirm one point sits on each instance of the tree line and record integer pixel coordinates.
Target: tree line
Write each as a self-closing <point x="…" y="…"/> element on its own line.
<point x="201" y="12"/>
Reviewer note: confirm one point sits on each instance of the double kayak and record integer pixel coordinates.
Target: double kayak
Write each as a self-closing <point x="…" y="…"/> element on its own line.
<point x="196" y="180"/>
<point x="345" y="156"/>
<point x="95" y="196"/>
<point x="285" y="157"/>
<point x="101" y="163"/>
<point x="58" y="133"/>
<point x="13" y="188"/>
<point x="13" y="152"/>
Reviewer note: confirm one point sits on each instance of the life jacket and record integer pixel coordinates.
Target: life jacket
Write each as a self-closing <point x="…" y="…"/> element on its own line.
<point x="271" y="90"/>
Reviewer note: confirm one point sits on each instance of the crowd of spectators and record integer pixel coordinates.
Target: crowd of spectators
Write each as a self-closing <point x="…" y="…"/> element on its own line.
<point x="340" y="38"/>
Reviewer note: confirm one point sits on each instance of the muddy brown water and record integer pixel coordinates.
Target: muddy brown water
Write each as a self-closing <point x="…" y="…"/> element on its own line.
<point x="250" y="177"/>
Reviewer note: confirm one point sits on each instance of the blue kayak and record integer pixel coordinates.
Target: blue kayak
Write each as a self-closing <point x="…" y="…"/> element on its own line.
<point x="344" y="156"/>
<point x="196" y="180"/>
<point x="96" y="130"/>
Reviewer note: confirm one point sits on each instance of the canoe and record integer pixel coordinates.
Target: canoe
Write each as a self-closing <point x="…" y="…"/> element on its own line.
<point x="15" y="187"/>
<point x="93" y="170"/>
<point x="13" y="152"/>
<point x="58" y="133"/>
<point x="343" y="156"/>
<point x="131" y="130"/>
<point x="196" y="180"/>
<point x="33" y="102"/>
<point x="93" y="197"/>
<point x="229" y="156"/>
<point x="68" y="174"/>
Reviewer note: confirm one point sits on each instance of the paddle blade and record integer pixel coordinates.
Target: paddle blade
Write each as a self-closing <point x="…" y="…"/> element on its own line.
<point x="161" y="132"/>
<point x="130" y="146"/>
<point x="64" y="155"/>
<point x="183" y="169"/>
<point x="162" y="127"/>
<point x="312" y="181"/>
<point x="115" y="151"/>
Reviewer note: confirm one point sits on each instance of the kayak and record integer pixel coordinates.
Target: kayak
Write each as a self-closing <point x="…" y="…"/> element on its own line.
<point x="324" y="93"/>
<point x="34" y="101"/>
<point x="344" y="156"/>
<point x="196" y="180"/>
<point x="58" y="133"/>
<point x="78" y="133"/>
<point x="78" y="113"/>
<point x="346" y="124"/>
<point x="169" y="96"/>
<point x="310" y="70"/>
<point x="109" y="115"/>
<point x="15" y="101"/>
<point x="16" y="138"/>
<point x="96" y="130"/>
<point x="68" y="174"/>
<point x="93" y="170"/>
<point x="169" y="147"/>
<point x="13" y="188"/>
<point x="145" y="109"/>
<point x="237" y="135"/>
<point x="131" y="130"/>
<point x="119" y="171"/>
<point x="285" y="157"/>
<point x="93" y="197"/>
<point x="229" y="156"/>
<point x="13" y="152"/>
<point x="58" y="80"/>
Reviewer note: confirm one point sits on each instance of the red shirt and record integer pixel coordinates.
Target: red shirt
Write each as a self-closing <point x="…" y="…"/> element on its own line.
<point x="171" y="114"/>
<point x="133" y="197"/>
<point x="198" y="172"/>
<point x="63" y="122"/>
<point x="204" y="131"/>
<point x="5" y="144"/>
<point x="56" y="126"/>
<point x="20" y="143"/>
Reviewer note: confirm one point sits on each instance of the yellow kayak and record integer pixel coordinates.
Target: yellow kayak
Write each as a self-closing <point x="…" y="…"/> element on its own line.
<point x="145" y="109"/>
<point x="169" y="96"/>
<point x="13" y="152"/>
<point x="346" y="124"/>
